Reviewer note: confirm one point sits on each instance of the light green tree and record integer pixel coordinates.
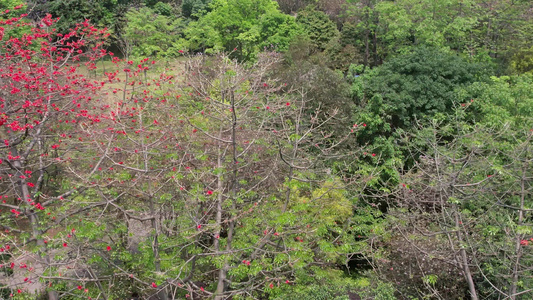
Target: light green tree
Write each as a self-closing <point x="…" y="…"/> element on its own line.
<point x="150" y="34"/>
<point x="242" y="27"/>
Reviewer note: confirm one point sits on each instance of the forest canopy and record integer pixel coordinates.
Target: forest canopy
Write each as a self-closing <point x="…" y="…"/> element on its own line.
<point x="261" y="149"/>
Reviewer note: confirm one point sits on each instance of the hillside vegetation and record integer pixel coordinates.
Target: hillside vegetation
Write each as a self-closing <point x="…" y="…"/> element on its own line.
<point x="260" y="149"/>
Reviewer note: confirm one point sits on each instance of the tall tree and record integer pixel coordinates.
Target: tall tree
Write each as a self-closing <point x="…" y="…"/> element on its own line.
<point x="41" y="103"/>
<point x="242" y="28"/>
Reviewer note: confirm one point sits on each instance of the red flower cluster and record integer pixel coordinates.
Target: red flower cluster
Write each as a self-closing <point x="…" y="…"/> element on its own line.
<point x="525" y="242"/>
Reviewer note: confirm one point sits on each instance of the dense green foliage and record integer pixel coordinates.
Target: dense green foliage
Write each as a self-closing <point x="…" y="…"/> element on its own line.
<point x="148" y="33"/>
<point x="71" y="12"/>
<point x="318" y="27"/>
<point x="194" y="8"/>
<point x="261" y="149"/>
<point x="242" y="27"/>
<point x="414" y="87"/>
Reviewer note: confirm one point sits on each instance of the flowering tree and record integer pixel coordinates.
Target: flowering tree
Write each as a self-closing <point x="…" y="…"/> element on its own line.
<point x="43" y="102"/>
<point x="211" y="182"/>
<point x="227" y="172"/>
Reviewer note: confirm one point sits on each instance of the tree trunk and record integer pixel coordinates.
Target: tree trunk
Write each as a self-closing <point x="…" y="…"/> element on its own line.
<point x="34" y="220"/>
<point x="518" y="249"/>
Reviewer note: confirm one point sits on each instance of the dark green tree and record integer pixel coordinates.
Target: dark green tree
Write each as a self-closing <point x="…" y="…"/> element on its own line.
<point x="320" y="29"/>
<point x="194" y="8"/>
<point x="163" y="9"/>
<point x="70" y="12"/>
<point x="415" y="86"/>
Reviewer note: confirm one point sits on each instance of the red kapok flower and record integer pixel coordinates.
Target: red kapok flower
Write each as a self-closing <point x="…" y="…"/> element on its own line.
<point x="154" y="285"/>
<point x="210" y="192"/>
